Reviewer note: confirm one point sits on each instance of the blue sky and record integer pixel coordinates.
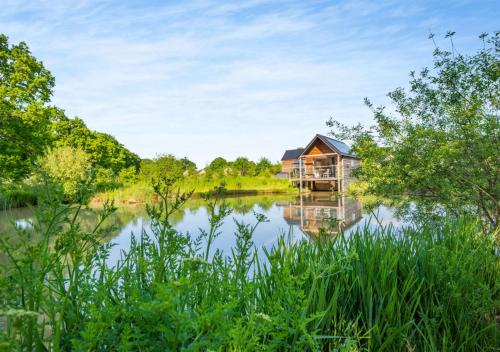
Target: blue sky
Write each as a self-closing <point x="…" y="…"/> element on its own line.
<point x="213" y="78"/>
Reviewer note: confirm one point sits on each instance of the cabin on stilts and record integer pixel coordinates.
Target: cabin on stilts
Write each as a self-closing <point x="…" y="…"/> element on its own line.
<point x="324" y="164"/>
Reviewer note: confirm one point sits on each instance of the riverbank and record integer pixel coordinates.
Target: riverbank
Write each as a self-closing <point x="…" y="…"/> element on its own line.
<point x="17" y="195"/>
<point x="139" y="193"/>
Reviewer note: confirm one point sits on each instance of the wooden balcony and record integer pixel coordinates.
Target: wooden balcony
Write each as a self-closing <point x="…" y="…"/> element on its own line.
<point x="315" y="173"/>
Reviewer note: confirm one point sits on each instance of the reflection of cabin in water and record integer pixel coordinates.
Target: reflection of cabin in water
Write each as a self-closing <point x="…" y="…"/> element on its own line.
<point x="314" y="211"/>
<point x="324" y="164"/>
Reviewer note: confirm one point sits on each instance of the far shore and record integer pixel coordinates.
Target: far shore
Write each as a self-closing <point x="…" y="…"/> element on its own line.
<point x="103" y="197"/>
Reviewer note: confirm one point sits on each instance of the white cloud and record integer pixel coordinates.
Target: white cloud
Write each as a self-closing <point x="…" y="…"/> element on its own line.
<point x="210" y="78"/>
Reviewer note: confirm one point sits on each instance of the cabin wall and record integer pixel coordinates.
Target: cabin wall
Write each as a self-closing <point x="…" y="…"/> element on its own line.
<point x="319" y="147"/>
<point x="287" y="165"/>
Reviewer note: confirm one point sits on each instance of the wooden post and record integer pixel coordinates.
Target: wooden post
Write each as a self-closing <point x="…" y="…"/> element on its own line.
<point x="342" y="171"/>
<point x="301" y="212"/>
<point x="338" y="173"/>
<point x="300" y="175"/>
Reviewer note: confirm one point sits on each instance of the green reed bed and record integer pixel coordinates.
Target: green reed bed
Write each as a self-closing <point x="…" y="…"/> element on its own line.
<point x="428" y="289"/>
<point x="142" y="192"/>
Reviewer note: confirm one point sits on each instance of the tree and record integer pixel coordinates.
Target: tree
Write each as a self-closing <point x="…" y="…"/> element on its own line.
<point x="166" y="165"/>
<point x="104" y="150"/>
<point x="263" y="166"/>
<point x="25" y="90"/>
<point x="243" y="167"/>
<point x="71" y="169"/>
<point x="188" y="166"/>
<point x="442" y="140"/>
<point x="219" y="164"/>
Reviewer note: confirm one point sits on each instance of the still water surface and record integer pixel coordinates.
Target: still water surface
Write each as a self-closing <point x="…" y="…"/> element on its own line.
<point x="298" y="217"/>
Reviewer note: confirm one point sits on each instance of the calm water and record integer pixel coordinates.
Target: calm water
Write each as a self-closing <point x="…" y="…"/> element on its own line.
<point x="300" y="217"/>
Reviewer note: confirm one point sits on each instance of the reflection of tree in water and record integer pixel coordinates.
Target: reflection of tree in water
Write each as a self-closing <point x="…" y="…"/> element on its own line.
<point x="136" y="215"/>
<point x="246" y="204"/>
<point x="421" y="210"/>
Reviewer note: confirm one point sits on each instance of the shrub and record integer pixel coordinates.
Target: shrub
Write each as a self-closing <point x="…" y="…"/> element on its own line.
<point x="70" y="168"/>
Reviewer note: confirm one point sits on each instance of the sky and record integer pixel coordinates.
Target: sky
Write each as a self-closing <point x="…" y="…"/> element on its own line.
<point x="204" y="79"/>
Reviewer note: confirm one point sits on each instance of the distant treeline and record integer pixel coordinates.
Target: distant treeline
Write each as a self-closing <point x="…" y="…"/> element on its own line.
<point x="171" y="166"/>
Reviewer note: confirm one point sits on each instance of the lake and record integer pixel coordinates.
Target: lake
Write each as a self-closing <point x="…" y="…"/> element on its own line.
<point x="300" y="217"/>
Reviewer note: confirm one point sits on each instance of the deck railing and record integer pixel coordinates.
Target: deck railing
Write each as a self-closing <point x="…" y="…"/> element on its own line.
<point x="327" y="171"/>
<point x="315" y="172"/>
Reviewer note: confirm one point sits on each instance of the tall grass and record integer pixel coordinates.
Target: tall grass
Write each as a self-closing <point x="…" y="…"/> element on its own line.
<point x="142" y="192"/>
<point x="427" y="289"/>
<point x="16" y="195"/>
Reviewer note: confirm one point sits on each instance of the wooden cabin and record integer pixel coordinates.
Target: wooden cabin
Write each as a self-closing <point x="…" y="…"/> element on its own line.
<point x="324" y="164"/>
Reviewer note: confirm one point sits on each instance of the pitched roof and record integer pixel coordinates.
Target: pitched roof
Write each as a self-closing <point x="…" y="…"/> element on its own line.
<point x="292" y="154"/>
<point x="336" y="145"/>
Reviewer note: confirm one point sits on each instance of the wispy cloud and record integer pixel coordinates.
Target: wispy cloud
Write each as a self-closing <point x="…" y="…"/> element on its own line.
<point x="209" y="78"/>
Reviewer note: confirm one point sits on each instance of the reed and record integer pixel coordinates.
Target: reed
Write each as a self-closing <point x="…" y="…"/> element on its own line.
<point x="418" y="289"/>
<point x="141" y="192"/>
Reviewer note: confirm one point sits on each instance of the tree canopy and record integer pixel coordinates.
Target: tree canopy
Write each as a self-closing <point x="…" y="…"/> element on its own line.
<point x="442" y="140"/>
<point x="242" y="166"/>
<point x="166" y="165"/>
<point x="29" y="126"/>
<point x="104" y="150"/>
<point x="25" y="91"/>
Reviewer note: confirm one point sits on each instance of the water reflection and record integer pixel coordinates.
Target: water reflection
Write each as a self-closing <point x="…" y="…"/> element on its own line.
<point x="299" y="217"/>
<point x="315" y="211"/>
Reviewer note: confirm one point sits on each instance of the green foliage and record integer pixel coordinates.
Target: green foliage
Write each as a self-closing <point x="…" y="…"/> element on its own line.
<point x="166" y="165"/>
<point x="29" y="126"/>
<point x="142" y="192"/>
<point x="243" y="167"/>
<point x="218" y="165"/>
<point x="237" y="184"/>
<point x="442" y="140"/>
<point x="71" y="169"/>
<point x="14" y="195"/>
<point x="104" y="150"/>
<point x="25" y="90"/>
<point x="429" y="289"/>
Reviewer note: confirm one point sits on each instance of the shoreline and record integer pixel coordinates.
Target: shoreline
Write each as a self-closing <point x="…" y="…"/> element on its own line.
<point x="99" y="200"/>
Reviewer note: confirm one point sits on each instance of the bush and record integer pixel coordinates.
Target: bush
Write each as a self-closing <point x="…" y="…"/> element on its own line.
<point x="71" y="169"/>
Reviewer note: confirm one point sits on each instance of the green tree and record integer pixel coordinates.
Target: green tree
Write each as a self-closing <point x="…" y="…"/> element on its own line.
<point x="70" y="168"/>
<point x="218" y="165"/>
<point x="264" y="167"/>
<point x="443" y="139"/>
<point x="166" y="165"/>
<point x="188" y="166"/>
<point x="243" y="167"/>
<point x="25" y="90"/>
<point x="104" y="150"/>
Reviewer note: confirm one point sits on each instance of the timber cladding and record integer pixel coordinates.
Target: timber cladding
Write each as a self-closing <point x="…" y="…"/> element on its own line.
<point x="287" y="165"/>
<point x="319" y="147"/>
